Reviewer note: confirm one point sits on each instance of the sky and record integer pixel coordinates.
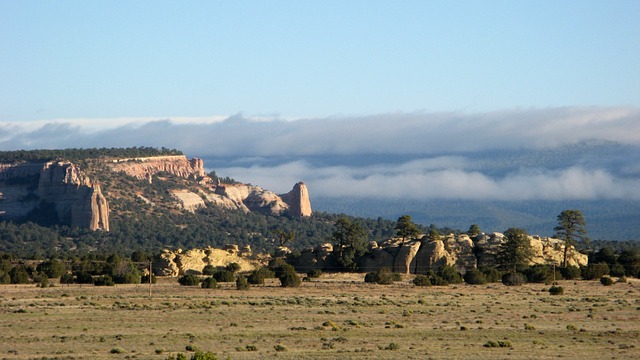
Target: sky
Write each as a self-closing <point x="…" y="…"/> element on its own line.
<point x="392" y="94"/>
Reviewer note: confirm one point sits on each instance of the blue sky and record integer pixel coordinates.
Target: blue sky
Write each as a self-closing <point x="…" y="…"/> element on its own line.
<point x="298" y="59"/>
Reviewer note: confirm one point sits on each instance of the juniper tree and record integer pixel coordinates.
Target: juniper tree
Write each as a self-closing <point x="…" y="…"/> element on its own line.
<point x="570" y="229"/>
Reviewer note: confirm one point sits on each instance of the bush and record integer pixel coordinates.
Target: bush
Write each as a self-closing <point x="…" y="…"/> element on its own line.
<point x="513" y="279"/>
<point x="209" y="283"/>
<point x="258" y="276"/>
<point x="595" y="271"/>
<point x="279" y="348"/>
<point x="104" y="280"/>
<point x="224" y="276"/>
<point x="67" y="279"/>
<point x="131" y="276"/>
<point x="475" y="277"/>
<point x="450" y="274"/>
<point x="145" y="279"/>
<point x="209" y="270"/>
<point x="492" y="274"/>
<point x="233" y="267"/>
<point x="52" y="268"/>
<point x="19" y="275"/>
<point x="189" y="280"/>
<point x="314" y="274"/>
<point x="556" y="290"/>
<point x="606" y="281"/>
<point x="539" y="274"/>
<point x="422" y="280"/>
<point x="83" y="277"/>
<point x="617" y="270"/>
<point x="290" y="279"/>
<point x="118" y="350"/>
<point x="241" y="283"/>
<point x="570" y="272"/>
<point x="381" y="276"/>
<point x="437" y="280"/>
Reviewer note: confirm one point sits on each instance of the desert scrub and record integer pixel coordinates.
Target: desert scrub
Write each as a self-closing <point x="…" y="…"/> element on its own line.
<point x="502" y="344"/>
<point x="606" y="281"/>
<point x="209" y="283"/>
<point x="279" y="348"/>
<point x="189" y="280"/>
<point x="513" y="279"/>
<point x="118" y="350"/>
<point x="242" y="283"/>
<point x="475" y="277"/>
<point x="381" y="276"/>
<point x="556" y="290"/>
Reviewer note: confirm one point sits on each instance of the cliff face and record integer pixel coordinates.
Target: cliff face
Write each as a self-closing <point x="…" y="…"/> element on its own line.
<point x="58" y="192"/>
<point x="74" y="200"/>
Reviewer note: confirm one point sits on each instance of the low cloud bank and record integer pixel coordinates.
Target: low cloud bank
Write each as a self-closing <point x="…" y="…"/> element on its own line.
<point x="413" y="181"/>
<point x="440" y="144"/>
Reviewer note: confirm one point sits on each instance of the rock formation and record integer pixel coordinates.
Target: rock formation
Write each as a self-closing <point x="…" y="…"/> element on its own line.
<point x="298" y="200"/>
<point x="178" y="262"/>
<point x="146" y="167"/>
<point x="74" y="198"/>
<point x="422" y="255"/>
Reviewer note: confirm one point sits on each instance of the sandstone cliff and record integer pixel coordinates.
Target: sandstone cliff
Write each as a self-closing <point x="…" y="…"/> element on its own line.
<point x="74" y="198"/>
<point x="421" y="255"/>
<point x="146" y="167"/>
<point x="179" y="262"/>
<point x="298" y="200"/>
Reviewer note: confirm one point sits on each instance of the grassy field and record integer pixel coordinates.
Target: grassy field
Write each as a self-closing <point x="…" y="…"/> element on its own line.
<point x="336" y="316"/>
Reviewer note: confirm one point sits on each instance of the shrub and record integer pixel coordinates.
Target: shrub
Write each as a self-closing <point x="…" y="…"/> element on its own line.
<point x="595" y="271"/>
<point x="241" y="283"/>
<point x="606" y="281"/>
<point x="209" y="270"/>
<point x="224" y="276"/>
<point x="19" y="275"/>
<point x="145" y="279"/>
<point x="209" y="283"/>
<point x="381" y="276"/>
<point x="492" y="274"/>
<point x="539" y="274"/>
<point x="314" y="274"/>
<point x="437" y="280"/>
<point x="422" y="280"/>
<point x="104" y="280"/>
<point x="189" y="280"/>
<point x="290" y="279"/>
<point x="475" y="277"/>
<point x="52" y="269"/>
<point x="131" y="276"/>
<point x="450" y="274"/>
<point x="396" y="277"/>
<point x="4" y="278"/>
<point x="513" y="279"/>
<point x="233" y="267"/>
<point x="83" y="277"/>
<point x="118" y="350"/>
<point x="556" y="290"/>
<point x="617" y="270"/>
<point x="283" y="268"/>
<point x="570" y="272"/>
<point x="67" y="279"/>
<point x="279" y="348"/>
<point x="258" y="276"/>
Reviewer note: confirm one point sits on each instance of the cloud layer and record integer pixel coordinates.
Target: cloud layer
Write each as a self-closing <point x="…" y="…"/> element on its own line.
<point x="416" y="155"/>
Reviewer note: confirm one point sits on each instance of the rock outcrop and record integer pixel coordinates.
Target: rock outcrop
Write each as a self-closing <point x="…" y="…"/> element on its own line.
<point x="419" y="256"/>
<point x="178" y="262"/>
<point x="146" y="167"/>
<point x="298" y="200"/>
<point x="57" y="185"/>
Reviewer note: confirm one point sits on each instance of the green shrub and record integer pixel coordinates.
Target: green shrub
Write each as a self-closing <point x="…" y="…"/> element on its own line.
<point x="189" y="280"/>
<point x="595" y="271"/>
<point x="437" y="280"/>
<point x="258" y="276"/>
<point x="52" y="269"/>
<point x="67" y="279"/>
<point x="475" y="277"/>
<point x="570" y="272"/>
<point x="606" y="281"/>
<point x="83" y="277"/>
<point x="396" y="277"/>
<point x="224" y="276"/>
<point x="4" y="278"/>
<point x="19" y="275"/>
<point x="242" y="283"/>
<point x="539" y="274"/>
<point x="381" y="276"/>
<point x="209" y="270"/>
<point x="513" y="279"/>
<point x="491" y="274"/>
<point x="209" y="283"/>
<point x="130" y="276"/>
<point x="617" y="270"/>
<point x="145" y="279"/>
<point x="233" y="267"/>
<point x="118" y="350"/>
<point x="556" y="290"/>
<point x="279" y="348"/>
<point x="104" y="280"/>
<point x="290" y="279"/>
<point x="422" y="280"/>
<point x="450" y="274"/>
<point x="314" y="273"/>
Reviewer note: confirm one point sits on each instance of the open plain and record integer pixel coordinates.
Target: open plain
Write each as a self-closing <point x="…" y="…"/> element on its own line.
<point x="336" y="316"/>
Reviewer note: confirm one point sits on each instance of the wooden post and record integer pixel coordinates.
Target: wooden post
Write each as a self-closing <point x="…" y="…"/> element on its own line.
<point x="150" y="278"/>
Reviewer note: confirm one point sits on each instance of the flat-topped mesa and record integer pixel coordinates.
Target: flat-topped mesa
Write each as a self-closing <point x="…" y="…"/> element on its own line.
<point x="298" y="200"/>
<point x="146" y="167"/>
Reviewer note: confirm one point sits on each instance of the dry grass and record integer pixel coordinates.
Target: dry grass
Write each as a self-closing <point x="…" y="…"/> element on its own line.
<point x="337" y="316"/>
